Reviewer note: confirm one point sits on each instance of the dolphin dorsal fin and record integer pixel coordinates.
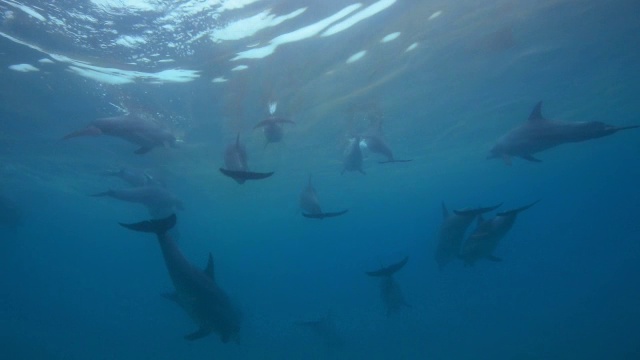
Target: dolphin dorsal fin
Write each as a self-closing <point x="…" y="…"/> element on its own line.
<point x="445" y="212"/>
<point x="209" y="269"/>
<point x="536" y="113"/>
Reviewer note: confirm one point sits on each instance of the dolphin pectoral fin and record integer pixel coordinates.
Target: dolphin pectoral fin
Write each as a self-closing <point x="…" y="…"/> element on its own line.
<point x="336" y="213"/>
<point x="389" y="270"/>
<point x="159" y="226"/>
<point x="507" y="159"/>
<point x="173" y="296"/>
<point x="88" y="131"/>
<point x="530" y="158"/>
<point x="199" y="334"/>
<point x="494" y="258"/>
<point x="143" y="150"/>
<point x="518" y="210"/>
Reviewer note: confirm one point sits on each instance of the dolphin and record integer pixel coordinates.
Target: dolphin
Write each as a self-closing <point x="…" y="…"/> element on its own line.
<point x="235" y="161"/>
<point x="374" y="141"/>
<point x="310" y="205"/>
<point x="134" y="177"/>
<point x="196" y="291"/>
<point x="485" y="238"/>
<point x="452" y="231"/>
<point x="135" y="128"/>
<point x="538" y="134"/>
<point x="272" y="127"/>
<point x="390" y="291"/>
<point x="157" y="199"/>
<point x="325" y="328"/>
<point x="352" y="160"/>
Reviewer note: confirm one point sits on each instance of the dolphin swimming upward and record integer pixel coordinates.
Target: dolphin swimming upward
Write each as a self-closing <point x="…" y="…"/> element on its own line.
<point x="136" y="129"/>
<point x="311" y="206"/>
<point x="374" y="142"/>
<point x="272" y="127"/>
<point x="485" y="238"/>
<point x="538" y="134"/>
<point x="452" y="231"/>
<point x="196" y="290"/>
<point x="390" y="291"/>
<point x="235" y="161"/>
<point x="352" y="160"/>
<point x="158" y="200"/>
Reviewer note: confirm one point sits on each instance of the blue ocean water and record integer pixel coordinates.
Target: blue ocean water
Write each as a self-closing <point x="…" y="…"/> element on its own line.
<point x="447" y="79"/>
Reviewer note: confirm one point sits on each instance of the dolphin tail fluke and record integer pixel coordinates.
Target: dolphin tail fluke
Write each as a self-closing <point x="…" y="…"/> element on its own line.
<point x="323" y="215"/>
<point x="518" y="210"/>
<point x="394" y="161"/>
<point x="158" y="227"/>
<point x="389" y="270"/>
<point x="476" y="212"/>
<point x="242" y="176"/>
<point x="88" y="131"/>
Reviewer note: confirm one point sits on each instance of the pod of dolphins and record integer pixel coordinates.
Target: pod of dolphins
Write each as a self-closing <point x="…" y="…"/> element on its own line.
<point x="197" y="291"/>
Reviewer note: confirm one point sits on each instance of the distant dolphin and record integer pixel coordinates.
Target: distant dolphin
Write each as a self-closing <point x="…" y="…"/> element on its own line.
<point x="325" y="329"/>
<point x="485" y="238"/>
<point x="134" y="177"/>
<point x="374" y="142"/>
<point x="235" y="161"/>
<point x="196" y="291"/>
<point x="272" y="127"/>
<point x="157" y="199"/>
<point x="538" y="134"/>
<point x="390" y="291"/>
<point x="136" y="129"/>
<point x="311" y="206"/>
<point x="353" y="156"/>
<point x="452" y="231"/>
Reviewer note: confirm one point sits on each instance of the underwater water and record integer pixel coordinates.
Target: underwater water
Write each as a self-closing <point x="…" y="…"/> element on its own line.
<point x="446" y="79"/>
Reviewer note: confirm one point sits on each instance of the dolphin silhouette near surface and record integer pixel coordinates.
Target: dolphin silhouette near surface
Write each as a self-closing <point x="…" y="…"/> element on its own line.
<point x="352" y="160"/>
<point x="374" y="142"/>
<point x="390" y="291"/>
<point x="137" y="129"/>
<point x="196" y="290"/>
<point x="452" y="230"/>
<point x="538" y="134"/>
<point x="311" y="206"/>
<point x="485" y="238"/>
<point x="272" y="127"/>
<point x="236" y="167"/>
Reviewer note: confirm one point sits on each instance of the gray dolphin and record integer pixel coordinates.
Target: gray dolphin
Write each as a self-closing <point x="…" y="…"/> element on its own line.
<point x="196" y="291"/>
<point x="134" y="128"/>
<point x="485" y="238"/>
<point x="452" y="231"/>
<point x="272" y="127"/>
<point x="374" y="142"/>
<point x="538" y="134"/>
<point x="157" y="199"/>
<point x="352" y="160"/>
<point x="134" y="177"/>
<point x="390" y="291"/>
<point x="311" y="206"/>
<point x="236" y="167"/>
<point x="325" y="328"/>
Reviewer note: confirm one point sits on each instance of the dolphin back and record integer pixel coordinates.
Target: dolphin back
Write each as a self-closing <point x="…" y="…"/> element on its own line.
<point x="158" y="227"/>
<point x="477" y="211"/>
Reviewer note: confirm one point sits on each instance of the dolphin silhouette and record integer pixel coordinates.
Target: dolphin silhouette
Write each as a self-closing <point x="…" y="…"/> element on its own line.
<point x="452" y="231"/>
<point x="325" y="328"/>
<point x="134" y="128"/>
<point x="538" y="134"/>
<point x="485" y="238"/>
<point x="374" y="142"/>
<point x="134" y="177"/>
<point x="272" y="127"/>
<point x="235" y="161"/>
<point x="353" y="156"/>
<point x="157" y="199"/>
<point x="311" y="206"/>
<point x="390" y="291"/>
<point x="196" y="291"/>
